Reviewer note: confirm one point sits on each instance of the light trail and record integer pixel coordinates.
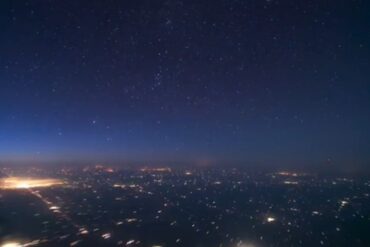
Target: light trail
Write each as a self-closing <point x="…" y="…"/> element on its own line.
<point x="28" y="184"/>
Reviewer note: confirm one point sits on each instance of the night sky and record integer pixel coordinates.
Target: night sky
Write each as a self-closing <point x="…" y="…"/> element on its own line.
<point x="267" y="83"/>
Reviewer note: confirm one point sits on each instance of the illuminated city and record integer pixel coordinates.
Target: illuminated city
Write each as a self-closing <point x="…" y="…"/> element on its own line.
<point x="27" y="183"/>
<point x="183" y="207"/>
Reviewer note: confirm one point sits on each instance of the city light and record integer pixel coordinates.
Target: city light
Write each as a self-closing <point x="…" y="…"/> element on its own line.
<point x="11" y="244"/>
<point x="27" y="183"/>
<point x="270" y="219"/>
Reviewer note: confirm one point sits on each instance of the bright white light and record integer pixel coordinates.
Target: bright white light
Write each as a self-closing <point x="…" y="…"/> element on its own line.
<point x="23" y="185"/>
<point x="270" y="219"/>
<point x="11" y="244"/>
<point x="106" y="235"/>
<point x="16" y="244"/>
<point x="343" y="203"/>
<point x="130" y="242"/>
<point x="83" y="231"/>
<point x="291" y="182"/>
<point x="26" y="183"/>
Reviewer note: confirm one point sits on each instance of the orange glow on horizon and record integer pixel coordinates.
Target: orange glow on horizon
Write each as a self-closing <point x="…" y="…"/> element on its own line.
<point x="27" y="183"/>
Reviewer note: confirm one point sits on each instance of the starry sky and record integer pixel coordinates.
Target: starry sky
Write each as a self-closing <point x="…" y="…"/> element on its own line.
<point x="267" y="83"/>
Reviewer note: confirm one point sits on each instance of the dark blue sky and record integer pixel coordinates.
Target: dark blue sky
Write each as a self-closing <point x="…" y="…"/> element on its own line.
<point x="205" y="82"/>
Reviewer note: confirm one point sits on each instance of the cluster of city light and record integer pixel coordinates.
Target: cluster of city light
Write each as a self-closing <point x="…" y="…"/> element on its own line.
<point x="27" y="183"/>
<point x="18" y="244"/>
<point x="156" y="169"/>
<point x="291" y="182"/>
<point x="293" y="174"/>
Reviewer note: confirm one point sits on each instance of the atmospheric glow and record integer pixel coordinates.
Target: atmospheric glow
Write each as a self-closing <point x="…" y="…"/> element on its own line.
<point x="27" y="183"/>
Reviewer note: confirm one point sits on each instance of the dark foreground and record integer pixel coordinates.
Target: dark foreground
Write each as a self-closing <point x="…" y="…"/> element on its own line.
<point x="162" y="207"/>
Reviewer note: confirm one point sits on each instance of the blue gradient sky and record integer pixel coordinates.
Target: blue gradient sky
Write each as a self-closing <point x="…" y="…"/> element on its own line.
<point x="249" y="82"/>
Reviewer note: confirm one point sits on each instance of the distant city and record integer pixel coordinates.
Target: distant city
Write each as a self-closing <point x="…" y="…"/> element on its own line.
<point x="163" y="206"/>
